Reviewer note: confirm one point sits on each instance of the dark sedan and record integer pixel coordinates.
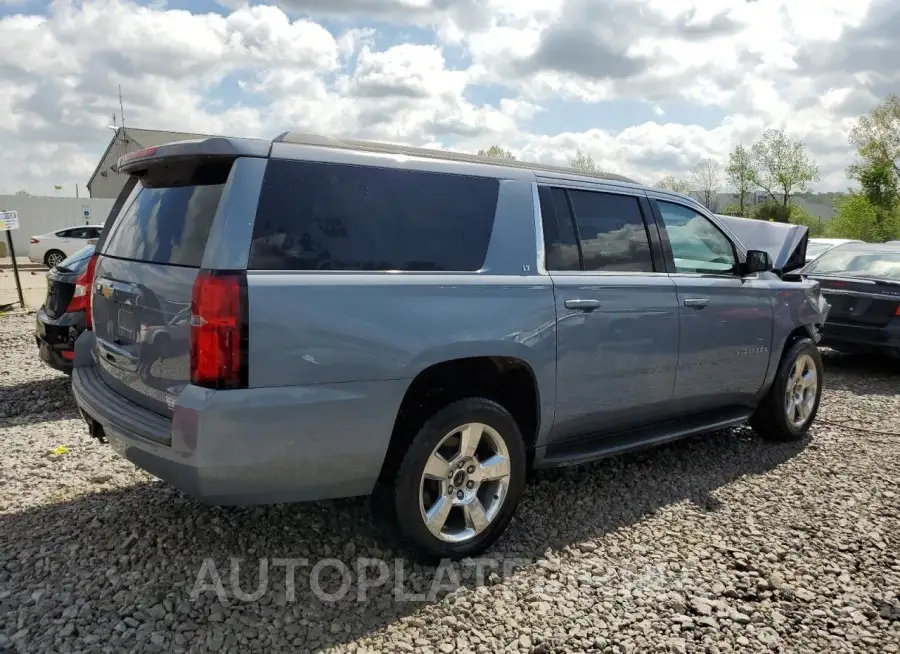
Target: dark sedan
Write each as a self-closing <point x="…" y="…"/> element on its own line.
<point x="63" y="316"/>
<point x="861" y="282"/>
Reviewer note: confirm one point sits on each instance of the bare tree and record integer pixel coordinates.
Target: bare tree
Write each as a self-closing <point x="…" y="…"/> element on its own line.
<point x="23" y="193"/>
<point x="671" y="183"/>
<point x="783" y="167"/>
<point x="583" y="162"/>
<point x="497" y="152"/>
<point x="705" y="177"/>
<point x="741" y="174"/>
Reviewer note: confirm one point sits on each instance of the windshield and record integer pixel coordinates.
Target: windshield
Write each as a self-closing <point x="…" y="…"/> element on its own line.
<point x="815" y="249"/>
<point x="879" y="264"/>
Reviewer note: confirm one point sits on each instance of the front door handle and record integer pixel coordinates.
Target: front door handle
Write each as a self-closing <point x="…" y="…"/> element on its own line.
<point x="583" y="305"/>
<point x="696" y="302"/>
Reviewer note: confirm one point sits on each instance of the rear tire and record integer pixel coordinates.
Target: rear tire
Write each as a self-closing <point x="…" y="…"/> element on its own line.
<point x="791" y="404"/>
<point x="458" y="485"/>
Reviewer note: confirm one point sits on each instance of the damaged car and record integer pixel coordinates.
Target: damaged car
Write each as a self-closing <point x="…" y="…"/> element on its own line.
<point x="425" y="327"/>
<point x="862" y="284"/>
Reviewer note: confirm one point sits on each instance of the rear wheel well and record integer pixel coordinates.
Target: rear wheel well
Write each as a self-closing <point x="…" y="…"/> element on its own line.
<point x="507" y="381"/>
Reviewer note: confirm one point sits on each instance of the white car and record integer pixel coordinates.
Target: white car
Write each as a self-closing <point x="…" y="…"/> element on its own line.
<point x="819" y="246"/>
<point x="52" y="248"/>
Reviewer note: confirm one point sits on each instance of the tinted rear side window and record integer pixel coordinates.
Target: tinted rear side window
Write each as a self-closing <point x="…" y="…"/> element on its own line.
<point x="560" y="244"/>
<point x="169" y="218"/>
<point x="611" y="231"/>
<point x="315" y="216"/>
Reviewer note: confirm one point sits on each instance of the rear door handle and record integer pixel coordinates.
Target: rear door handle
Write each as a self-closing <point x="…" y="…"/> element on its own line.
<point x="696" y="302"/>
<point x="583" y="305"/>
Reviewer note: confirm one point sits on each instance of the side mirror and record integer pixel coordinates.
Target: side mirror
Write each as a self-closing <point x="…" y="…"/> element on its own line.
<point x="757" y="261"/>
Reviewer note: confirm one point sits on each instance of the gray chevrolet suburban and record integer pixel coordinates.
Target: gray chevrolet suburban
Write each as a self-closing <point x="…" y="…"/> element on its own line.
<point x="310" y="318"/>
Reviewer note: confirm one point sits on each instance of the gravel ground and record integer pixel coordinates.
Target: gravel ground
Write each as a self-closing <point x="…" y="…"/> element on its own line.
<point x="716" y="544"/>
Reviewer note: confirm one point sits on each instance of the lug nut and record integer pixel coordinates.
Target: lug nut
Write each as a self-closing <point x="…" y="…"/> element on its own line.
<point x="460" y="495"/>
<point x="461" y="464"/>
<point x="470" y="484"/>
<point x="470" y="469"/>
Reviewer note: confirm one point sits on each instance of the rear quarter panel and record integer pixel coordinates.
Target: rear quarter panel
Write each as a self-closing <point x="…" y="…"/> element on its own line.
<point x="341" y="327"/>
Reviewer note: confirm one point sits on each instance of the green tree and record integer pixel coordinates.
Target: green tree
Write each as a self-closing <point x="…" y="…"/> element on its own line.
<point x="858" y="218"/>
<point x="771" y="211"/>
<point x="740" y="174"/>
<point x="733" y="209"/>
<point x="800" y="216"/>
<point x="583" y="162"/>
<point x="782" y="167"/>
<point x="497" y="152"/>
<point x="671" y="183"/>
<point x="876" y="138"/>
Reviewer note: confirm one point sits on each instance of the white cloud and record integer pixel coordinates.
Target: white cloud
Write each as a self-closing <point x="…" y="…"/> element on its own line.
<point x="258" y="70"/>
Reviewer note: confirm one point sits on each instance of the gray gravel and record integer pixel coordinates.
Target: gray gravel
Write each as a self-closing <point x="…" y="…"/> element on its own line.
<point x="721" y="543"/>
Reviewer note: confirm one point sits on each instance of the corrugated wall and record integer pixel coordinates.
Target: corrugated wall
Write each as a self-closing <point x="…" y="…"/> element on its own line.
<point x="40" y="214"/>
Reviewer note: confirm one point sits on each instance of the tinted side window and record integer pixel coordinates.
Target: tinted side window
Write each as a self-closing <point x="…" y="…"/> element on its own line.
<point x="560" y="245"/>
<point x="697" y="244"/>
<point x="611" y="231"/>
<point x="315" y="216"/>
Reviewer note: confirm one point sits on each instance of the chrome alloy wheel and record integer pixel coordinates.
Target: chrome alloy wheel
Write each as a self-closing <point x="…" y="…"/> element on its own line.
<point x="54" y="259"/>
<point x="800" y="391"/>
<point x="465" y="483"/>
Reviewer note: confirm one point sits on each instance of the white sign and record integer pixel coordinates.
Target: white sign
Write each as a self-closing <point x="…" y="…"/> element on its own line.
<point x="9" y="220"/>
<point x="86" y="211"/>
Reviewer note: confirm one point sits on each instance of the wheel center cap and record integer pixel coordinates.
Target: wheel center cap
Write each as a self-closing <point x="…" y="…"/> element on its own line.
<point x="459" y="478"/>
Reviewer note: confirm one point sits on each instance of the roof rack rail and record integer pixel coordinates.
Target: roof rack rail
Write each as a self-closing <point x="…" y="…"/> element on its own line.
<point x="303" y="138"/>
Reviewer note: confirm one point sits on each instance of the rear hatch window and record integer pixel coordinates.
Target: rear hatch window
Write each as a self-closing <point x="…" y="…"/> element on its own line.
<point x="144" y="281"/>
<point x="167" y="223"/>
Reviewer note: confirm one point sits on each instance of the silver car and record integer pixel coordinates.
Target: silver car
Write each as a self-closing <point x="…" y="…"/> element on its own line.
<point x="424" y="327"/>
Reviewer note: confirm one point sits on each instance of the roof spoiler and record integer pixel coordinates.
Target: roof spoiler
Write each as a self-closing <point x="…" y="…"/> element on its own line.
<point x="214" y="147"/>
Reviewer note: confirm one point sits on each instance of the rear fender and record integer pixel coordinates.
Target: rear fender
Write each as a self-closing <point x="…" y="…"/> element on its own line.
<point x="541" y="360"/>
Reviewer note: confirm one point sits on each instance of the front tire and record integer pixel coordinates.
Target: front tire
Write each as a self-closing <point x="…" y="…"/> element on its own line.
<point x="790" y="406"/>
<point x="458" y="485"/>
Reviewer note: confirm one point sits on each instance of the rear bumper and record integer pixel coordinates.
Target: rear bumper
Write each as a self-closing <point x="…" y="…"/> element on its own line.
<point x="256" y="446"/>
<point x="843" y="336"/>
<point x="55" y="337"/>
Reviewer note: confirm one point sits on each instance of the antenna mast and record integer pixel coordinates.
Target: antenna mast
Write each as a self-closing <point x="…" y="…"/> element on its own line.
<point x="121" y="109"/>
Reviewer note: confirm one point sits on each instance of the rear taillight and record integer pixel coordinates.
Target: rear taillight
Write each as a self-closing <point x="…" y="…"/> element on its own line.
<point x="81" y="298"/>
<point x="219" y="330"/>
<point x="897" y="312"/>
<point x="35" y="240"/>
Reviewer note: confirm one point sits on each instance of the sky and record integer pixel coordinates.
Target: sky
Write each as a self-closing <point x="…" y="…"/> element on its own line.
<point x="647" y="87"/>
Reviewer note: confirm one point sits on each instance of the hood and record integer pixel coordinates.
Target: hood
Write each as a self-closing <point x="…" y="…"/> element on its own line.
<point x="785" y="242"/>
